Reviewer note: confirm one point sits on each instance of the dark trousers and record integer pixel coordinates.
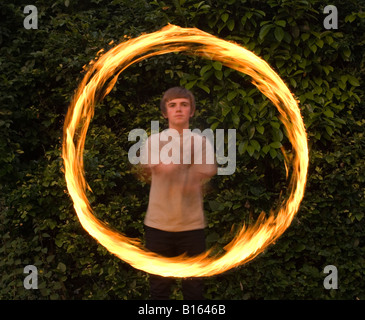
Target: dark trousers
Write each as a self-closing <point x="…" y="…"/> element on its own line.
<point x="171" y="244"/>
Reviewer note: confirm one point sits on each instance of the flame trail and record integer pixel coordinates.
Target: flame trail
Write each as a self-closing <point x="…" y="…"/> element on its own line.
<point x="250" y="240"/>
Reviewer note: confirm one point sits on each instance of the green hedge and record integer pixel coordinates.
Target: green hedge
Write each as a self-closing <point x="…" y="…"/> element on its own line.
<point x="40" y="70"/>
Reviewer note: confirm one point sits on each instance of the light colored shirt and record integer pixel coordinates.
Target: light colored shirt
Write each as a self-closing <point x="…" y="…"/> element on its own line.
<point x="178" y="163"/>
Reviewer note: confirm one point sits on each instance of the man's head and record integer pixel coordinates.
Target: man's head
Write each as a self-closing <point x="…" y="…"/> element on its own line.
<point x="178" y="106"/>
<point x="175" y="93"/>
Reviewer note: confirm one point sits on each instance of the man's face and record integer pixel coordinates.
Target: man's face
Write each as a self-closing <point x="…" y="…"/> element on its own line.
<point x="178" y="112"/>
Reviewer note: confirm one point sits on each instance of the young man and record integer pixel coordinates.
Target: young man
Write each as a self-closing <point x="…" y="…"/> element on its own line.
<point x="174" y="223"/>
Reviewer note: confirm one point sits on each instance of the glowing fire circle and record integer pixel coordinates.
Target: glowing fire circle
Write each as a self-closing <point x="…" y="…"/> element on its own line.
<point x="250" y="240"/>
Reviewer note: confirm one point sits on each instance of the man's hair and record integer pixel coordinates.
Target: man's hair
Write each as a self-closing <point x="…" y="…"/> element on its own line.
<point x="176" y="93"/>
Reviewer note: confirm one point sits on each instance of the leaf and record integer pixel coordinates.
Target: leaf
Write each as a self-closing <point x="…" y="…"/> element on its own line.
<point x="329" y="113"/>
<point x="250" y="150"/>
<point x="215" y="205"/>
<point x="190" y="84"/>
<point x="218" y="74"/>
<point x="225" y="109"/>
<point x="264" y="30"/>
<point x="353" y="81"/>
<point x="320" y="43"/>
<point x="235" y="119"/>
<point x="61" y="266"/>
<point x="214" y="125"/>
<point x="255" y="144"/>
<point x="249" y="118"/>
<point x="350" y="18"/>
<point x="329" y="158"/>
<point x="224" y="17"/>
<point x="359" y="216"/>
<point x="242" y="147"/>
<point x="275" y="124"/>
<point x="318" y="81"/>
<point x="273" y="153"/>
<point x="294" y="83"/>
<point x="231" y="95"/>
<point x="275" y="144"/>
<point x="281" y="23"/>
<point x="313" y="47"/>
<point x="346" y="52"/>
<point x="59" y="242"/>
<point x="230" y="24"/>
<point x="251" y="132"/>
<point x="329" y="130"/>
<point x="260" y="129"/>
<point x="277" y="135"/>
<point x="305" y="36"/>
<point x="50" y="258"/>
<point x="279" y="33"/>
<point x="280" y="63"/>
<point x="217" y="65"/>
<point x="266" y="149"/>
<point x="204" y="87"/>
<point x="205" y="69"/>
<point x="236" y="109"/>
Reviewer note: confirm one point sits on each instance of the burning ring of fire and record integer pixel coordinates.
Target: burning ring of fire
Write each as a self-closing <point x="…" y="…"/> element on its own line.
<point x="250" y="240"/>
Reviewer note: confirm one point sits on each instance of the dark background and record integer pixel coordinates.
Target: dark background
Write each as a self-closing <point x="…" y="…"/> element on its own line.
<point x="39" y="73"/>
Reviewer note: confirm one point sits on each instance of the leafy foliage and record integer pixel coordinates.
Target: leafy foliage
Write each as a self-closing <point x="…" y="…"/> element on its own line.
<point x="40" y="69"/>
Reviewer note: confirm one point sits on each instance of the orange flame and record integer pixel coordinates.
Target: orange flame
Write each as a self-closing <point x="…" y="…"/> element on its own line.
<point x="250" y="240"/>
